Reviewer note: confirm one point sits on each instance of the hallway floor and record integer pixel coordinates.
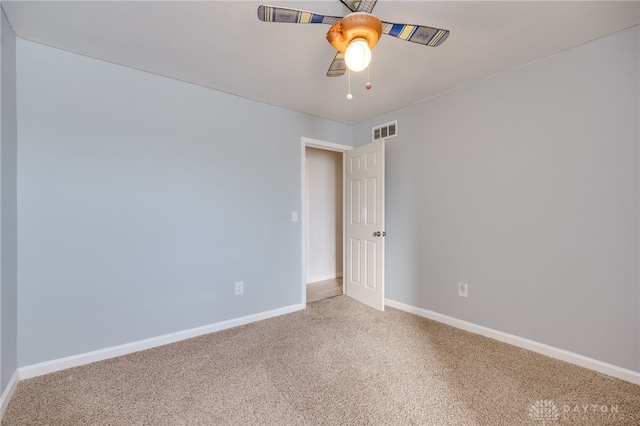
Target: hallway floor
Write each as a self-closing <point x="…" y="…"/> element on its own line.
<point x="324" y="289"/>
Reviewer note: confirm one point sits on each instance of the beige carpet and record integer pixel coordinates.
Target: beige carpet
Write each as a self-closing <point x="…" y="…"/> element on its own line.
<point x="335" y="363"/>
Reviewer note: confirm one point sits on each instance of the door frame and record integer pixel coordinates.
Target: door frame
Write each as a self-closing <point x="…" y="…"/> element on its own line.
<point x="327" y="146"/>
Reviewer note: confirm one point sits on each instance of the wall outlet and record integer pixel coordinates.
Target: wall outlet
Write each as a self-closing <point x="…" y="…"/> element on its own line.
<point x="239" y="288"/>
<point x="463" y="289"/>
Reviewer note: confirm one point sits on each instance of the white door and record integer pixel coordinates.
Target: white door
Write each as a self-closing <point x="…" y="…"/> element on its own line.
<point x="364" y="245"/>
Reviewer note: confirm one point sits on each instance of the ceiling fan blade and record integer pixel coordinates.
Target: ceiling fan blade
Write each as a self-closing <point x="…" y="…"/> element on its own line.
<point x="338" y="66"/>
<point x="416" y="33"/>
<point x="365" y="6"/>
<point x="294" y="16"/>
<point x="360" y="6"/>
<point x="352" y="5"/>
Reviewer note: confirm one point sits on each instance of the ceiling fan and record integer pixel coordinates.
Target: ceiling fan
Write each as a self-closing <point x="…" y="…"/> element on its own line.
<point x="355" y="34"/>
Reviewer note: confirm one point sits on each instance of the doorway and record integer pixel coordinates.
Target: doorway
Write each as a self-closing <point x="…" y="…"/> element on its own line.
<point x="323" y="219"/>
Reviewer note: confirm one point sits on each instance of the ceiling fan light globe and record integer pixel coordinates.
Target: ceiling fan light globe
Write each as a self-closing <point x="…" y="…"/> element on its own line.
<point x="358" y="55"/>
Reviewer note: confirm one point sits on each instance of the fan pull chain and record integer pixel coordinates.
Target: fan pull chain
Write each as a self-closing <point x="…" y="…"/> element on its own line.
<point x="349" y="95"/>
<point x="368" y="85"/>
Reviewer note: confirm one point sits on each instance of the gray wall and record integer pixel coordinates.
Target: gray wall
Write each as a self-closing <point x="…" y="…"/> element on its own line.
<point x="526" y="186"/>
<point x="8" y="205"/>
<point x="142" y="200"/>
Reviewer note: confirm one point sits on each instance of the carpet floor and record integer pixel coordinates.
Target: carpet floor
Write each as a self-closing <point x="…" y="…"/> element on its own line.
<point x="337" y="362"/>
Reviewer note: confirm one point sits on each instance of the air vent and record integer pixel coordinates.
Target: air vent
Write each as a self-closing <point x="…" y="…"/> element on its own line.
<point x="385" y="131"/>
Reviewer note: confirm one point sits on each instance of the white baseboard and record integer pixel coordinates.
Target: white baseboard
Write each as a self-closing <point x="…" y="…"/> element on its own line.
<point x="114" y="351"/>
<point x="323" y="278"/>
<point x="541" y="348"/>
<point x="8" y="393"/>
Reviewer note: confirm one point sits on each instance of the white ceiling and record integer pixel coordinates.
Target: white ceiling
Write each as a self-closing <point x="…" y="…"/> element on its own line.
<point x="223" y="45"/>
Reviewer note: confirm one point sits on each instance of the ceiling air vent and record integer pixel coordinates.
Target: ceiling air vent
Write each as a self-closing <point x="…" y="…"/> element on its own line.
<point x="385" y="131"/>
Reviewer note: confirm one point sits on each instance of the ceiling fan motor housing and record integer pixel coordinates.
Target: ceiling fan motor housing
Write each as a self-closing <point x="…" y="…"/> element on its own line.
<point x="355" y="25"/>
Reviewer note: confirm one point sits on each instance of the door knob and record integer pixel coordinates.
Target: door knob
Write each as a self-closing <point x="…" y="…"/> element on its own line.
<point x="376" y="234"/>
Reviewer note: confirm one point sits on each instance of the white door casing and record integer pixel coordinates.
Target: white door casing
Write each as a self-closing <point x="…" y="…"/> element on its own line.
<point x="364" y="242"/>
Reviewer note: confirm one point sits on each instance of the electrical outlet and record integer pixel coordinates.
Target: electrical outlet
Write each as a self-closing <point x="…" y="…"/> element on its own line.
<point x="239" y="288"/>
<point x="463" y="289"/>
